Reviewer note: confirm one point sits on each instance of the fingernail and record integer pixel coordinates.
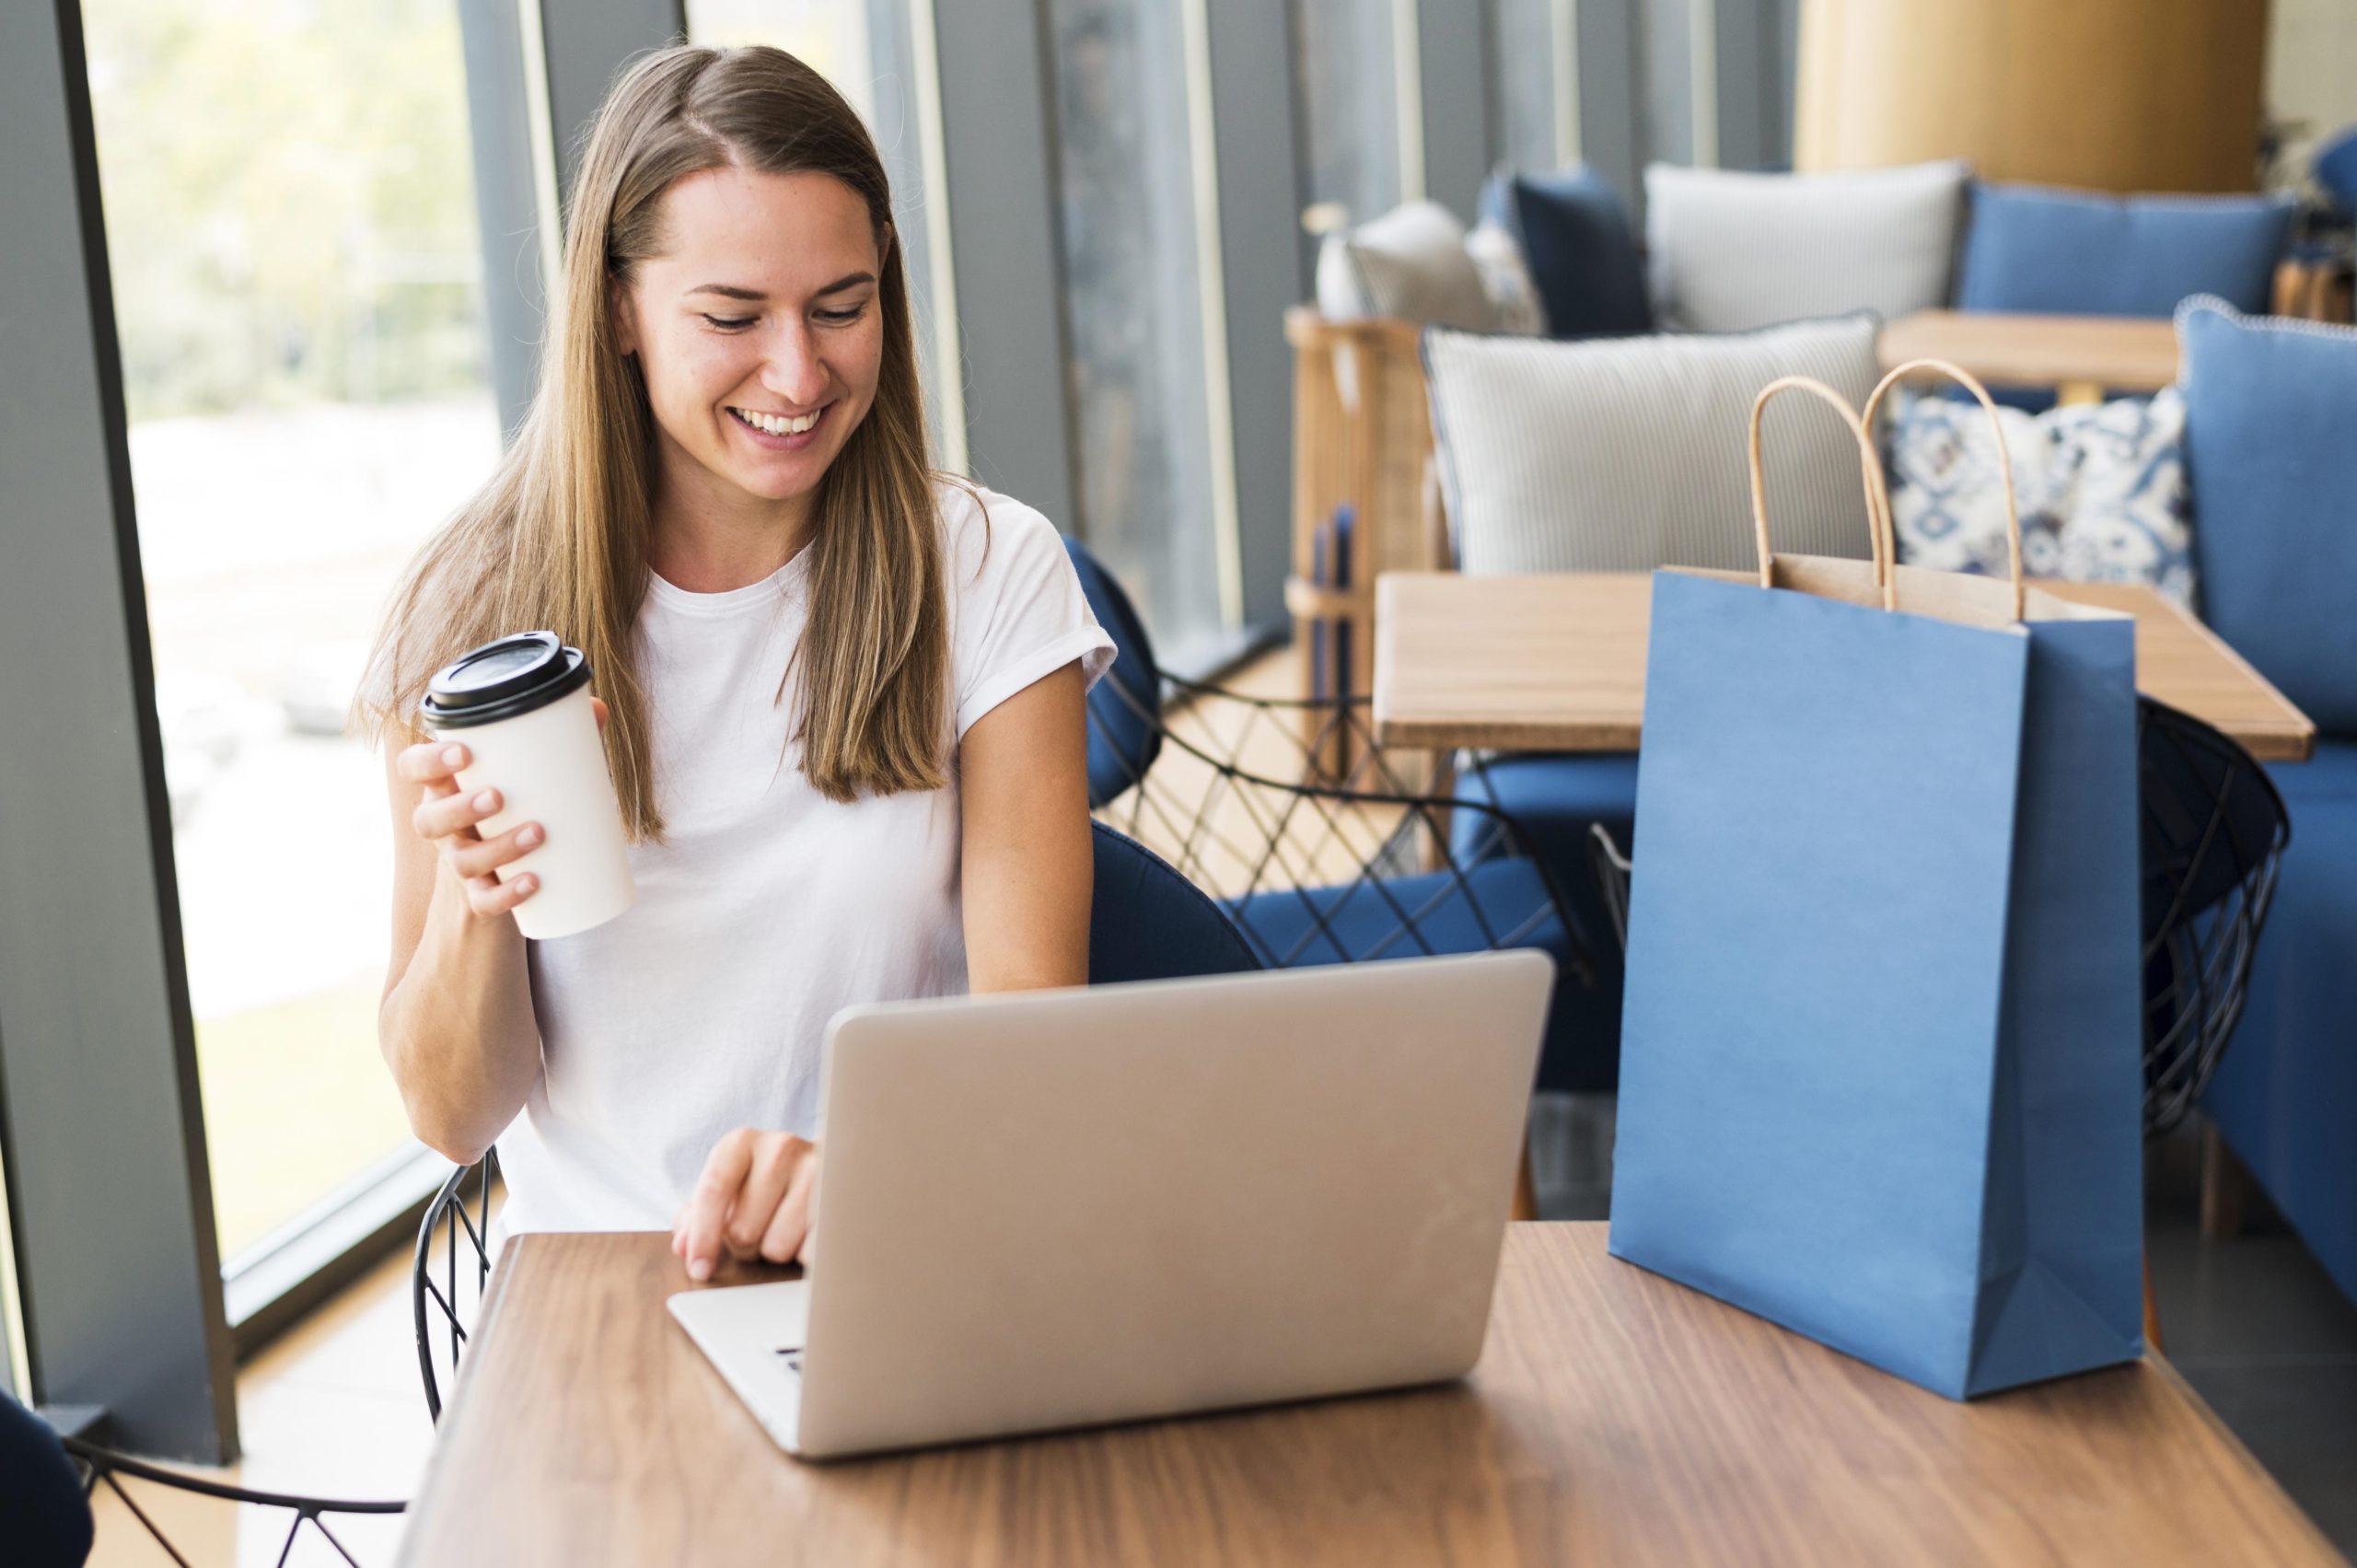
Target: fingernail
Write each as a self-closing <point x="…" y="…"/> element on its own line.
<point x="453" y="756"/>
<point x="699" y="1268"/>
<point x="528" y="884"/>
<point x="530" y="836"/>
<point x="487" y="800"/>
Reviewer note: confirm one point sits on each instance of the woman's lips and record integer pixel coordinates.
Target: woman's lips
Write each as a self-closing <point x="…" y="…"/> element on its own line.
<point x="792" y="441"/>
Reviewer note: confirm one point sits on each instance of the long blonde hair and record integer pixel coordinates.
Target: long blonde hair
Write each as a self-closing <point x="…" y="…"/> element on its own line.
<point x="558" y="537"/>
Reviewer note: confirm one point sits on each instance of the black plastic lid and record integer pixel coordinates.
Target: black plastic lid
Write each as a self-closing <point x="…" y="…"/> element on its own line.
<point x="502" y="680"/>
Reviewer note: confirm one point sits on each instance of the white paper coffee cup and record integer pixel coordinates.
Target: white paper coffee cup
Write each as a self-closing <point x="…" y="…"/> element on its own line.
<point x="520" y="706"/>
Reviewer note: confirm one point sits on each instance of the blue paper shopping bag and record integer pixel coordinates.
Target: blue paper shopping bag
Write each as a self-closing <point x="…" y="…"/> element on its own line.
<point x="1881" y="1063"/>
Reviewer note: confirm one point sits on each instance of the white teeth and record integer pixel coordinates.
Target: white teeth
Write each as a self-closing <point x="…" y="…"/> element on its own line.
<point x="775" y="424"/>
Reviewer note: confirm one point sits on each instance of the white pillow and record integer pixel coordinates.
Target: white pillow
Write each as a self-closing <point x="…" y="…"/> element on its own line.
<point x="1410" y="263"/>
<point x="2101" y="489"/>
<point x="1505" y="278"/>
<point x="1728" y="251"/>
<point x="1625" y="454"/>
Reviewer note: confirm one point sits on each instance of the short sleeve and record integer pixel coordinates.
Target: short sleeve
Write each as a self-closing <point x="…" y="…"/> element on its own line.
<point x="1018" y="613"/>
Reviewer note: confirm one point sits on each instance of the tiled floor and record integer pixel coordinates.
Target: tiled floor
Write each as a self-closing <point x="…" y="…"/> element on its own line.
<point x="2254" y="1325"/>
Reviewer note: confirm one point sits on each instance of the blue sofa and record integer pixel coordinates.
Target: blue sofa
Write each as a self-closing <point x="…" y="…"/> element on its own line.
<point x="2272" y="455"/>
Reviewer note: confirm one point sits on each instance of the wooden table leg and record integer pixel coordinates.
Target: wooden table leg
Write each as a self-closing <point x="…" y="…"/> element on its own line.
<point x="2152" y="1313"/>
<point x="2223" y="1187"/>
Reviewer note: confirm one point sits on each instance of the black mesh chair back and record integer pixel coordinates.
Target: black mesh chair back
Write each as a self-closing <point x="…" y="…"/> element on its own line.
<point x="2215" y="830"/>
<point x="1238" y="793"/>
<point x="451" y="1269"/>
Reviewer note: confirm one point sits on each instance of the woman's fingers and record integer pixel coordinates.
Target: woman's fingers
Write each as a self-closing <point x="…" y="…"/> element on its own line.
<point x="453" y="815"/>
<point x="472" y="858"/>
<point x="489" y="896"/>
<point x="788" y="1236"/>
<point x="715" y="1193"/>
<point x="775" y="1158"/>
<point x="432" y="763"/>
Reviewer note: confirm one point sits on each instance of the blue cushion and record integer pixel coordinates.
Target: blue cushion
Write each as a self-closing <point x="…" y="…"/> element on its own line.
<point x="1123" y="738"/>
<point x="1361" y="924"/>
<point x="2072" y="252"/>
<point x="1146" y="922"/>
<point x="44" y="1519"/>
<point x="2286" y="1094"/>
<point x="2334" y="169"/>
<point x="1577" y="243"/>
<point x="1554" y="799"/>
<point x="2271" y="431"/>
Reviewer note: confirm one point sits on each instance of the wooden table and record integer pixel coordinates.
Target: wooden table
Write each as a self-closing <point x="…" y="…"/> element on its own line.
<point x="1557" y="663"/>
<point x="2080" y="356"/>
<point x="1614" y="1418"/>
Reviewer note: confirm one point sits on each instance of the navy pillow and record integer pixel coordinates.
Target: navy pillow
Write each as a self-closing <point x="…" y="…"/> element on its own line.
<point x="2076" y="254"/>
<point x="1123" y="738"/>
<point x="1582" y="254"/>
<point x="1146" y="922"/>
<point x="2271" y="438"/>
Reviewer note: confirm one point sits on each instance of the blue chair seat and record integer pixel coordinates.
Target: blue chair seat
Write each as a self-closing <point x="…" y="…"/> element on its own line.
<point x="1146" y="922"/>
<point x="1361" y="924"/>
<point x="1555" y="798"/>
<point x="2286" y="1094"/>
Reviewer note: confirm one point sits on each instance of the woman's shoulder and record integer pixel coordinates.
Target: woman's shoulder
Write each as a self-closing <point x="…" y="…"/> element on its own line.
<point x="986" y="533"/>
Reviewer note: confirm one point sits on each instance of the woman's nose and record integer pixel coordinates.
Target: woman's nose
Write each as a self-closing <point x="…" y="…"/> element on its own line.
<point x="794" y="370"/>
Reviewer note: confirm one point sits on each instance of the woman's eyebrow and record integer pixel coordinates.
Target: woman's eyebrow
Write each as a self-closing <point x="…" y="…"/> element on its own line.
<point x="730" y="291"/>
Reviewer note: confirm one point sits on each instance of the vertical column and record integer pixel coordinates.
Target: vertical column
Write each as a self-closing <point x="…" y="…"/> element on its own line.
<point x="510" y="195"/>
<point x="997" y="104"/>
<point x="111" y="1206"/>
<point x="1260" y="199"/>
<point x="1454" y="94"/>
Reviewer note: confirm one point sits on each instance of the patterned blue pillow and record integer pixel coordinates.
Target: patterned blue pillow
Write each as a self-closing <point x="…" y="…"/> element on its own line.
<point x="2101" y="488"/>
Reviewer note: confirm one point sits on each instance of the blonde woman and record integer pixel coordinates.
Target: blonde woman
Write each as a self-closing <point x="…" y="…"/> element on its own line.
<point x="842" y="695"/>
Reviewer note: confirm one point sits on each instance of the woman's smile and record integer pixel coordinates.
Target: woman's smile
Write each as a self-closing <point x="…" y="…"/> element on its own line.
<point x="779" y="432"/>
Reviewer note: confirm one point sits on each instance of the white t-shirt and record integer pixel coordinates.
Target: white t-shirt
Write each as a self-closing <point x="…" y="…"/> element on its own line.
<point x="767" y="907"/>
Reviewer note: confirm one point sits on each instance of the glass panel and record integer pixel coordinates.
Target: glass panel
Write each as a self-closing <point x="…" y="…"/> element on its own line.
<point x="1133" y="311"/>
<point x="1348" y="91"/>
<point x="297" y="283"/>
<point x="868" y="48"/>
<point x="1523" y="41"/>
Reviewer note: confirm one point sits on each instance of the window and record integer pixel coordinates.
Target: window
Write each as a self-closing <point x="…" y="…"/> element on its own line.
<point x="1349" y="89"/>
<point x="879" y="55"/>
<point x="1534" y="104"/>
<point x="1131" y="230"/>
<point x="297" y="285"/>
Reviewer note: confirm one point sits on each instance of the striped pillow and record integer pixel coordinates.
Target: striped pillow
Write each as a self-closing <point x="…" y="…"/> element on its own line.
<point x="1625" y="454"/>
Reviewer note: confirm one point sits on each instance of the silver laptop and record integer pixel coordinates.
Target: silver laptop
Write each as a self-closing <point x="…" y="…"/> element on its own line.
<point x="1073" y="1207"/>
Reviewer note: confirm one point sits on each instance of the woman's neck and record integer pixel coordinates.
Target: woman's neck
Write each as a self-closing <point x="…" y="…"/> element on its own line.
<point x="709" y="544"/>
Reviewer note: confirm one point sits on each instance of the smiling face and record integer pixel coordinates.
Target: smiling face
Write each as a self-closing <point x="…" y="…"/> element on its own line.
<point x="760" y="334"/>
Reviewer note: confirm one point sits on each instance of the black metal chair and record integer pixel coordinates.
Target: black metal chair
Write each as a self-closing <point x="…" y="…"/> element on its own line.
<point x="1321" y="845"/>
<point x="99" y="1464"/>
<point x="2214" y="833"/>
<point x="2212" y="830"/>
<point x="442" y="1310"/>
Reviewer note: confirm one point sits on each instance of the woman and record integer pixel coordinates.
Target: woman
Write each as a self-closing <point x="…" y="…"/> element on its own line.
<point x="842" y="695"/>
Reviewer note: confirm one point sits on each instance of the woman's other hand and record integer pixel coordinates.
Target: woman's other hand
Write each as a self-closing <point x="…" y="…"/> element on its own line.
<point x="753" y="1201"/>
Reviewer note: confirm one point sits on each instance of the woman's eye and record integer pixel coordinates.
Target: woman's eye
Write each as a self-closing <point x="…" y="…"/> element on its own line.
<point x="841" y="318"/>
<point x="730" y="323"/>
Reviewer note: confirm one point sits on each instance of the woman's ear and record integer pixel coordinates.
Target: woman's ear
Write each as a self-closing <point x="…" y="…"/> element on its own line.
<point x="623" y="314"/>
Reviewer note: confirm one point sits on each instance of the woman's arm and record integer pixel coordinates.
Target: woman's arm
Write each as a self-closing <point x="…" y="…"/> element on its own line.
<point x="1028" y="860"/>
<point x="456" y="1024"/>
<point x="1026" y="867"/>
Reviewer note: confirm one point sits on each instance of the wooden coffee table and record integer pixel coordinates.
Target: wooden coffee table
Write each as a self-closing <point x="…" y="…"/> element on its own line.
<point x="1615" y="1417"/>
<point x="1557" y="663"/>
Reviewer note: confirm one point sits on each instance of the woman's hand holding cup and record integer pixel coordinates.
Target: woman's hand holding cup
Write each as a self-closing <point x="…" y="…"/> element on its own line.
<point x="448" y="818"/>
